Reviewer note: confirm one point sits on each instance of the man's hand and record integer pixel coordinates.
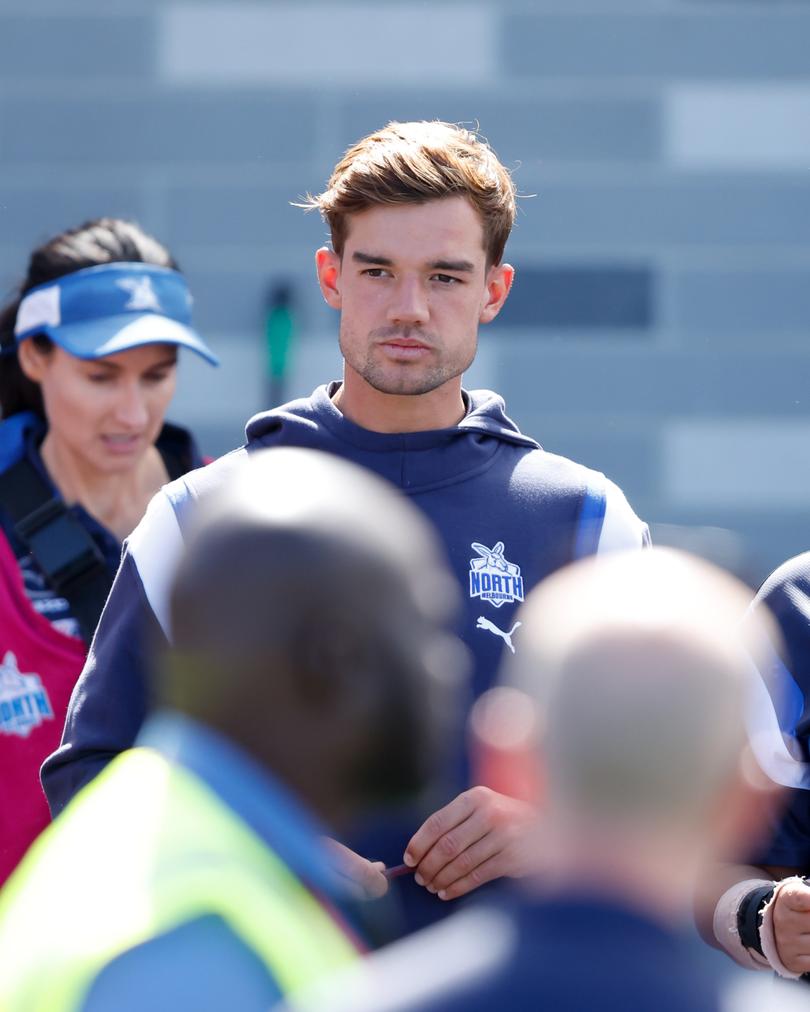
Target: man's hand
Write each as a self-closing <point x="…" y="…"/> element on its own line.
<point x="365" y="879"/>
<point x="791" y="925"/>
<point x="479" y="836"/>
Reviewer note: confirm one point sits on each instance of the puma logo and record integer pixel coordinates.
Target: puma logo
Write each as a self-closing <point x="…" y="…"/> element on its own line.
<point x="484" y="623"/>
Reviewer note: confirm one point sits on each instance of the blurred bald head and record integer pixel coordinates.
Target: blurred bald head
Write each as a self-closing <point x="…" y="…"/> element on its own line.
<point x="638" y="667"/>
<point x="308" y="619"/>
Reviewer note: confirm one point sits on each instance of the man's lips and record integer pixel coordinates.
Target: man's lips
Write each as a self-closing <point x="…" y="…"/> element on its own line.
<point x="405" y="347"/>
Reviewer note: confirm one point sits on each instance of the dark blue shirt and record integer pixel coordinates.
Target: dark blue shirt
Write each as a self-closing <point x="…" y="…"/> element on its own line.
<point x="563" y="954"/>
<point x="780" y="715"/>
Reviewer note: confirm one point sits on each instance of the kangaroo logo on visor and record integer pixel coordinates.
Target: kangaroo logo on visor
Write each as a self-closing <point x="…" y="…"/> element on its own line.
<point x="142" y="295"/>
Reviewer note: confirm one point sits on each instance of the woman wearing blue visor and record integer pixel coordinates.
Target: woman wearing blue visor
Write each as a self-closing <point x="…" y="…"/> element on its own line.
<point x="87" y="370"/>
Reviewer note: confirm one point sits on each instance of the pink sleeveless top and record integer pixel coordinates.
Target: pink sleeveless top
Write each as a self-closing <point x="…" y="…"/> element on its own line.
<point x="38" y="668"/>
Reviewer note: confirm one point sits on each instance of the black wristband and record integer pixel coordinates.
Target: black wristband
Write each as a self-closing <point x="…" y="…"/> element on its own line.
<point x="749" y="917"/>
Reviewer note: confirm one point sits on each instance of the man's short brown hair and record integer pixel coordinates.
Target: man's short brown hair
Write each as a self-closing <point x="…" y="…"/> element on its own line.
<point x="411" y="163"/>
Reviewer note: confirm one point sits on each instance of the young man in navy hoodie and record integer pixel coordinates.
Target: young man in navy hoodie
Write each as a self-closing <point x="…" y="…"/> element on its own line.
<point x="419" y="215"/>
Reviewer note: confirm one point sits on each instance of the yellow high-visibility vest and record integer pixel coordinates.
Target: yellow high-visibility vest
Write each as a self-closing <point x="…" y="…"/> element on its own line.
<point x="146" y="848"/>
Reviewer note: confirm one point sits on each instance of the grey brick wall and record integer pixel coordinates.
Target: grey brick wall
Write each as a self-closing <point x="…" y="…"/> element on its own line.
<point x="662" y="293"/>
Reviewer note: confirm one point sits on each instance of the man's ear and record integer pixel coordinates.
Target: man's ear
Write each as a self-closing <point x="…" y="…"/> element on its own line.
<point x="503" y="733"/>
<point x="32" y="360"/>
<point x="499" y="282"/>
<point x="327" y="264"/>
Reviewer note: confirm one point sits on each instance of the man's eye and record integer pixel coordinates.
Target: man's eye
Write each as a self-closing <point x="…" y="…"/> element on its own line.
<point x="375" y="272"/>
<point x="446" y="279"/>
<point x="99" y="377"/>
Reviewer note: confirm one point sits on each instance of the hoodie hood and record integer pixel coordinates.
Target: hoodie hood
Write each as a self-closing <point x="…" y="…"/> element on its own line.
<point x="414" y="461"/>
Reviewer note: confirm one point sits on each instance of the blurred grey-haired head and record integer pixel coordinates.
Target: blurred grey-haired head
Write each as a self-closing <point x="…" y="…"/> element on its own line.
<point x="638" y="664"/>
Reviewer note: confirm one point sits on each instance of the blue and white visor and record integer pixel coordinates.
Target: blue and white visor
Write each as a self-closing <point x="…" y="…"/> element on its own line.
<point x="102" y="310"/>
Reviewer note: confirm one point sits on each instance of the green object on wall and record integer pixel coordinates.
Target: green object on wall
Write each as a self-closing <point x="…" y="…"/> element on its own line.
<point x="279" y="328"/>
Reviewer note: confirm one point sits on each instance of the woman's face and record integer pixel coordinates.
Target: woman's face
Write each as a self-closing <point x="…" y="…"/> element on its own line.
<point x="103" y="413"/>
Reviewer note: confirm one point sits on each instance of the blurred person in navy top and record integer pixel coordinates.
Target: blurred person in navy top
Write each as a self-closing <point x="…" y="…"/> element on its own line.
<point x="622" y="719"/>
<point x="760" y="912"/>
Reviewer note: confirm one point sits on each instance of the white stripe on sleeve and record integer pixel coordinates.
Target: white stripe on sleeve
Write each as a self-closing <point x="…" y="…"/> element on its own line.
<point x="621" y="528"/>
<point x="767" y="740"/>
<point x="155" y="546"/>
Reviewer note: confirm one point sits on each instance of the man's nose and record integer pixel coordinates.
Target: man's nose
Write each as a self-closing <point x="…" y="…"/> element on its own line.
<point x="410" y="303"/>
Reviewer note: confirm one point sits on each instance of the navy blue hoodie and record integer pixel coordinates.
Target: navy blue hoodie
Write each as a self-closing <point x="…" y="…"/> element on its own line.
<point x="508" y="514"/>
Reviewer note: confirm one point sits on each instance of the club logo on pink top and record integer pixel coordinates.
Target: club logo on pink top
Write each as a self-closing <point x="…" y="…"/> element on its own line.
<point x="24" y="703"/>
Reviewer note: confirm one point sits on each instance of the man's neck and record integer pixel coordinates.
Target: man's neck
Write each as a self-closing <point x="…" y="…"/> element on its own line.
<point x="441" y="408"/>
<point x="648" y="872"/>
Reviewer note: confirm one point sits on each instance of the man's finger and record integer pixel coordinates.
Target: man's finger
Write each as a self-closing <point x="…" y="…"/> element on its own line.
<point x="479" y="876"/>
<point x="796" y="963"/>
<point x="796" y="896"/>
<point x="793" y="922"/>
<point x="374" y="882"/>
<point x="466" y="862"/>
<point x="451" y="846"/>
<point x="366" y="877"/>
<point x="435" y="826"/>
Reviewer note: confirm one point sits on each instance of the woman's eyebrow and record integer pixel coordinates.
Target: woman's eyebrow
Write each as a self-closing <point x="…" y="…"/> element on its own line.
<point x="169" y="360"/>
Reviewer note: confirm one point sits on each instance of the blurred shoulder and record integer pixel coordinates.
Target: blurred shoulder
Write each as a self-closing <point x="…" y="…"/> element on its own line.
<point x="789" y="583"/>
<point x="451" y="962"/>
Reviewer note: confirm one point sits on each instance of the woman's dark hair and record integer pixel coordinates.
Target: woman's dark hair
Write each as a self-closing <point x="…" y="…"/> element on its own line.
<point x="101" y="241"/>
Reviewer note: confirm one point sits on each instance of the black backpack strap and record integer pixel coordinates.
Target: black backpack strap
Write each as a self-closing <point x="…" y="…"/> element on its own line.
<point x="177" y="450"/>
<point x="174" y="460"/>
<point x="61" y="545"/>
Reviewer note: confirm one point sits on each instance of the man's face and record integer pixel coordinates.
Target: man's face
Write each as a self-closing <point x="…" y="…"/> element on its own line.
<point x="412" y="287"/>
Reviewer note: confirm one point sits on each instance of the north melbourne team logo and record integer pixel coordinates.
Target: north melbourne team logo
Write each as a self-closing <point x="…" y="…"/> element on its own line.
<point x="24" y="703"/>
<point x="142" y="296"/>
<point x="493" y="578"/>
